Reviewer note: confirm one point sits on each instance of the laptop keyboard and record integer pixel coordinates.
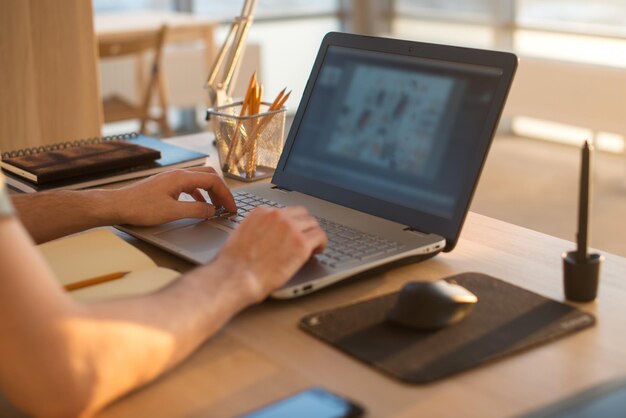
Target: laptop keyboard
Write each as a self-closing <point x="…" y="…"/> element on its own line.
<point x="345" y="245"/>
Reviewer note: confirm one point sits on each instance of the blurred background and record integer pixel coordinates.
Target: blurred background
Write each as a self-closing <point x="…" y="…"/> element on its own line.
<point x="288" y="32"/>
<point x="570" y="86"/>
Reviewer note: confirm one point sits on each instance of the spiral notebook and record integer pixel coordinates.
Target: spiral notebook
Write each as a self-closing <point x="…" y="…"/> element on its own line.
<point x="68" y="161"/>
<point x="171" y="157"/>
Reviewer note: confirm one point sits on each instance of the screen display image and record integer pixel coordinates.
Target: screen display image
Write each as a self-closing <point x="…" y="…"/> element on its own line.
<point x="397" y="128"/>
<point x="384" y="112"/>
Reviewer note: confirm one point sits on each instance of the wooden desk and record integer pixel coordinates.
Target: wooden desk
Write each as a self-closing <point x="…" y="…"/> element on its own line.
<point x="262" y="356"/>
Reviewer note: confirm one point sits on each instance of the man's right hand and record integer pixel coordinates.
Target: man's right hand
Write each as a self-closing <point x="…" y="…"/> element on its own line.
<point x="271" y="245"/>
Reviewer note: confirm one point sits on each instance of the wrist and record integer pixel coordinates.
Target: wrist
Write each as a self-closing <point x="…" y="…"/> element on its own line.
<point x="104" y="207"/>
<point x="238" y="280"/>
<point x="227" y="281"/>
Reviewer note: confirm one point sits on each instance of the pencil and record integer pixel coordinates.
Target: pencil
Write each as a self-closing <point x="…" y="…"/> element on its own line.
<point x="95" y="280"/>
<point x="244" y="106"/>
<point x="252" y="153"/>
<point x="583" y="205"/>
<point x="278" y="103"/>
<point x="277" y="99"/>
<point x="282" y="101"/>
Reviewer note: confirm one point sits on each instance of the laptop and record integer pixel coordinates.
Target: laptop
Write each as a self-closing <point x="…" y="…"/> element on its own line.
<point x="385" y="149"/>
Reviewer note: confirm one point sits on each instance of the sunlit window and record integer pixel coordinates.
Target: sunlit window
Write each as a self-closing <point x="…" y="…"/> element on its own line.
<point x="600" y="16"/>
<point x="265" y="8"/>
<point x="468" y="9"/>
<point x="105" y="6"/>
<point x="576" y="31"/>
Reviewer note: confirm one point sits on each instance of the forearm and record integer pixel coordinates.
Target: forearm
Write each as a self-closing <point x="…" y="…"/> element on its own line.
<point x="51" y="215"/>
<point x="151" y="201"/>
<point x="156" y="332"/>
<point x="62" y="358"/>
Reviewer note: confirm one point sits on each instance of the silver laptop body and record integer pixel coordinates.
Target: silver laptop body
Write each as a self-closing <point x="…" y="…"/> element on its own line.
<point x="388" y="187"/>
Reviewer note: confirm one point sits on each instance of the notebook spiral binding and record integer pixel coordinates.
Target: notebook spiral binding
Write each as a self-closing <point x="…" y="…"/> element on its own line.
<point x="69" y="144"/>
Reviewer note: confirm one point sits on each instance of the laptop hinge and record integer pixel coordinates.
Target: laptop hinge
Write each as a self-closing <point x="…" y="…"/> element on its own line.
<point x="415" y="231"/>
<point x="281" y="189"/>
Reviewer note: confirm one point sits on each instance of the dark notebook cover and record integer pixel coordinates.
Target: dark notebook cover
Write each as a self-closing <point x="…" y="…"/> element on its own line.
<point x="79" y="161"/>
<point x="507" y="319"/>
<point x="172" y="157"/>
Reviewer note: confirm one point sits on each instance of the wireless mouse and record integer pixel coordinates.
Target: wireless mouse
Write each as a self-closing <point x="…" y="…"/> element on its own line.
<point x="431" y="305"/>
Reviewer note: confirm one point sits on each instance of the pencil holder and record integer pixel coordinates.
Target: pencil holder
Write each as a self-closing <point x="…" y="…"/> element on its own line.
<point x="249" y="147"/>
<point x="581" y="278"/>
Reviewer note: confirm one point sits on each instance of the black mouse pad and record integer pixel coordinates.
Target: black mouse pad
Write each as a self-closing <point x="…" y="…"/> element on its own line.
<point x="507" y="319"/>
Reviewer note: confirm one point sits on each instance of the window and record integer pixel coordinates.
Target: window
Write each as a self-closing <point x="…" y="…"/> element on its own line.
<point x="288" y="33"/>
<point x="477" y="9"/>
<point x="105" y="6"/>
<point x="225" y="10"/>
<point x="466" y="23"/>
<point x="604" y="16"/>
<point x="573" y="31"/>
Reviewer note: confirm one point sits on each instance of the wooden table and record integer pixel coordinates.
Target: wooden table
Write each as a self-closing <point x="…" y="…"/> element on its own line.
<point x="262" y="356"/>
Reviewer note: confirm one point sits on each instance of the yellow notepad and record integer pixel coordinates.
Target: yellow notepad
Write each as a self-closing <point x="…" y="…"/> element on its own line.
<point x="100" y="252"/>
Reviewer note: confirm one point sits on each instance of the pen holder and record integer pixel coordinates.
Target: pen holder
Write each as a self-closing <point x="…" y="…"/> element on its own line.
<point x="580" y="278"/>
<point x="249" y="147"/>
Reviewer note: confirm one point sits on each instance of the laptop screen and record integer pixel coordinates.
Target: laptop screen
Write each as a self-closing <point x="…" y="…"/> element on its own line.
<point x="401" y="130"/>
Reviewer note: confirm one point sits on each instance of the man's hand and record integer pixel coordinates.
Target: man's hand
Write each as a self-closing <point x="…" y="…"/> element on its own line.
<point x="271" y="245"/>
<point x="148" y="202"/>
<point x="154" y="200"/>
<point x="66" y="344"/>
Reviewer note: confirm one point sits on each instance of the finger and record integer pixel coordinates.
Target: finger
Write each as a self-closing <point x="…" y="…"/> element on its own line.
<point x="212" y="196"/>
<point x="262" y="218"/>
<point x="219" y="201"/>
<point x="197" y="195"/>
<point x="214" y="199"/>
<point x="295" y="211"/>
<point x="302" y="217"/>
<point x="316" y="239"/>
<point x="210" y="182"/>
<point x="205" y="169"/>
<point x="201" y="210"/>
<point x="305" y="222"/>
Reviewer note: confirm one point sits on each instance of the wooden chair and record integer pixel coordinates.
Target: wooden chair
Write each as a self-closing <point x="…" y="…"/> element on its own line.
<point x="117" y="108"/>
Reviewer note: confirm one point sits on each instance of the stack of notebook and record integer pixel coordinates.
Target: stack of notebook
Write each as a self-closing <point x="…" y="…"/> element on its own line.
<point x="93" y="162"/>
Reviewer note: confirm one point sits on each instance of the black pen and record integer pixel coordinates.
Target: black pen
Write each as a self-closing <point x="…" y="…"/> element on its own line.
<point x="583" y="205"/>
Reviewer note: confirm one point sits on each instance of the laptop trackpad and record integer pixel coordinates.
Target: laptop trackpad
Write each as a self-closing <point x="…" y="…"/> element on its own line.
<point x="198" y="238"/>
